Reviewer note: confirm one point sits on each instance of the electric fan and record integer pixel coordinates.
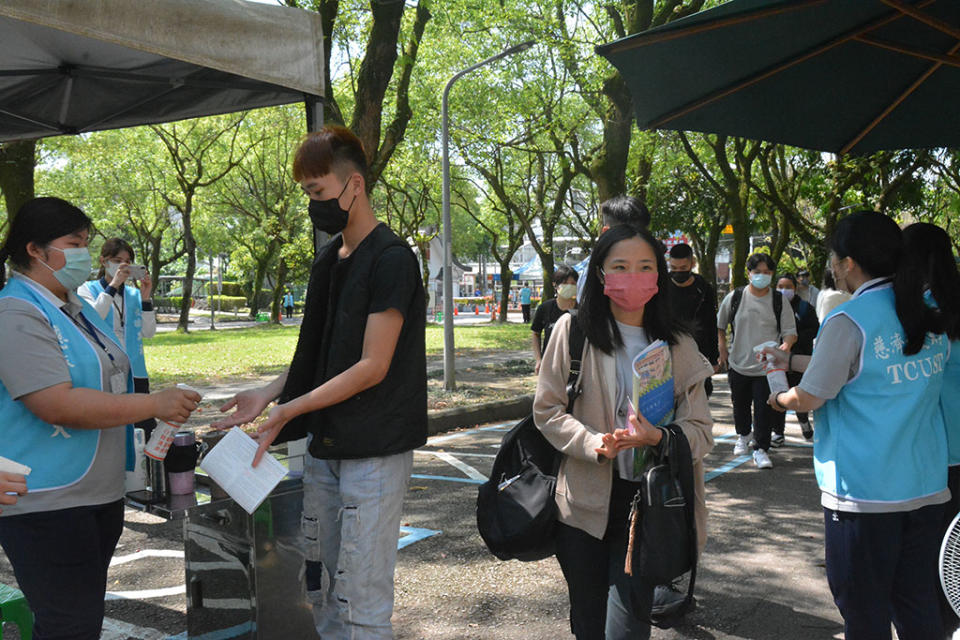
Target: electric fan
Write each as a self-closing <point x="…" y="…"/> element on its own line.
<point x="950" y="564"/>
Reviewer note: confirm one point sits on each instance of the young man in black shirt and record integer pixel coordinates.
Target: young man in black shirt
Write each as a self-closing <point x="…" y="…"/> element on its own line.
<point x="357" y="385"/>
<point x="695" y="302"/>
<point x="549" y="311"/>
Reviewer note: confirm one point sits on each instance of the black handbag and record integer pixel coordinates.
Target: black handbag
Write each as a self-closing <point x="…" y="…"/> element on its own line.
<point x="516" y="510"/>
<point x="662" y="535"/>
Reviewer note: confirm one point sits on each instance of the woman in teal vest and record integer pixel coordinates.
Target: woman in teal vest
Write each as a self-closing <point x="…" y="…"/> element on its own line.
<point x="928" y="247"/>
<point x="880" y="448"/>
<point x="126" y="308"/>
<point x="65" y="413"/>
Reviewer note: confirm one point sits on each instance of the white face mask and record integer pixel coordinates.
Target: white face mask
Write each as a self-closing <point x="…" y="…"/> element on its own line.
<point x="567" y="290"/>
<point x="787" y="294"/>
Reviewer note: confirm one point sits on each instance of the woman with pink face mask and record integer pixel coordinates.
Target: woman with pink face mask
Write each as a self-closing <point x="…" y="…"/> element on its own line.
<point x="624" y="309"/>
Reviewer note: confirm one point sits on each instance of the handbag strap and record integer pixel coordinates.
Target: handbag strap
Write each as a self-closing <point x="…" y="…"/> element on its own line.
<point x="577" y="341"/>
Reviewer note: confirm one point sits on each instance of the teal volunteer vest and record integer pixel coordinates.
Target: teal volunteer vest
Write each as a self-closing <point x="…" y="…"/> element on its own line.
<point x="950" y="401"/>
<point x="882" y="439"/>
<point x="59" y="456"/>
<point x="133" y="323"/>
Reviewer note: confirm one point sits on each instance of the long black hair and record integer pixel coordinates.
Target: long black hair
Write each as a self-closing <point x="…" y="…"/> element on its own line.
<point x="929" y="254"/>
<point x="40" y="221"/>
<point x="595" y="316"/>
<point x="875" y="242"/>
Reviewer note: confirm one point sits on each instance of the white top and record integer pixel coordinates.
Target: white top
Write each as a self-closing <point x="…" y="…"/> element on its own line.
<point x="828" y="300"/>
<point x="104" y="302"/>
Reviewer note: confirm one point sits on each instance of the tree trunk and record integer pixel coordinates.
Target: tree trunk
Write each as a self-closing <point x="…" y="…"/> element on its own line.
<point x="741" y="247"/>
<point x="258" y="277"/>
<point x="506" y="277"/>
<point x="278" y="291"/>
<point x="609" y="169"/>
<point x="547" y="260"/>
<point x="191" y="245"/>
<point x="17" y="162"/>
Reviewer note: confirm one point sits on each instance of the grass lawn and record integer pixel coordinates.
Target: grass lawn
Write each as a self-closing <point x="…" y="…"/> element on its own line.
<point x="212" y="357"/>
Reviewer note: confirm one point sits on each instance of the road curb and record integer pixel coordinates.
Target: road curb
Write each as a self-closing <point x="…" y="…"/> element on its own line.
<point x="441" y="420"/>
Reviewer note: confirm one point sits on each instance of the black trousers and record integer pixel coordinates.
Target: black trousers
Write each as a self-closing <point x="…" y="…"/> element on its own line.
<point x="60" y="559"/>
<point x="882" y="567"/>
<point x="525" y="308"/>
<point x="749" y="395"/>
<point x="288" y="311"/>
<point x="602" y="598"/>
<point x="780" y="419"/>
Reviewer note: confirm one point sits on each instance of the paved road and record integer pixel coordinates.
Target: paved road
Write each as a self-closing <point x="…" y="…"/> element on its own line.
<point x="200" y="321"/>
<point x="762" y="574"/>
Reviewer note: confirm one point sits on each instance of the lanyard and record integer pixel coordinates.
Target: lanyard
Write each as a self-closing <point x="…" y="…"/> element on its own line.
<point x="88" y="328"/>
<point x="120" y="307"/>
<point x="123" y="303"/>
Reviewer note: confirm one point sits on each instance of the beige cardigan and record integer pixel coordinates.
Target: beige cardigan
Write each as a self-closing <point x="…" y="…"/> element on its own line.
<point x="584" y="482"/>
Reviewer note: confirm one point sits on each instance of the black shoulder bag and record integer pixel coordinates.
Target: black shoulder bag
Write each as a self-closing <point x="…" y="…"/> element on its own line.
<point x="516" y="511"/>
<point x="662" y="527"/>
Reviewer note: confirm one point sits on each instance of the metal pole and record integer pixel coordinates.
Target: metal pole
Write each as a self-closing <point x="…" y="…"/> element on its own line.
<point x="210" y="293"/>
<point x="449" y="377"/>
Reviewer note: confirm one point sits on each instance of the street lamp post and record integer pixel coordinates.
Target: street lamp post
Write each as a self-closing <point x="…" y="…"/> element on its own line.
<point x="449" y="380"/>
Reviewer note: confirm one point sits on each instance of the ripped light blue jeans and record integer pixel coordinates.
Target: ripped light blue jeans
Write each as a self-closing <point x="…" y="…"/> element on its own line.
<point x="351" y="523"/>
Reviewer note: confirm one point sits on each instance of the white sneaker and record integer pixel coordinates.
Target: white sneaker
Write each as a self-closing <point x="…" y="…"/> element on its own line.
<point x="762" y="460"/>
<point x="743" y="445"/>
<point x="777" y="440"/>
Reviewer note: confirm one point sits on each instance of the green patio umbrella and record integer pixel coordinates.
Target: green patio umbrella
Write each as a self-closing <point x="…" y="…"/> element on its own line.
<point x="846" y="76"/>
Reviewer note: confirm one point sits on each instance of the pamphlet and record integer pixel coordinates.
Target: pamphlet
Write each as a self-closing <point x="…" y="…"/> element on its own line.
<point x="229" y="465"/>
<point x="652" y="393"/>
<point x="653" y="383"/>
<point x="9" y="466"/>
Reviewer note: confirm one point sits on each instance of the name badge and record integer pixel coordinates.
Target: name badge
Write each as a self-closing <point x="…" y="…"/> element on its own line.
<point x="118" y="383"/>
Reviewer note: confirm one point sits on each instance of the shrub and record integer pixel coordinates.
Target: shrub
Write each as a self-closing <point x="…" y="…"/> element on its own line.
<point x="227" y="303"/>
<point x="169" y="304"/>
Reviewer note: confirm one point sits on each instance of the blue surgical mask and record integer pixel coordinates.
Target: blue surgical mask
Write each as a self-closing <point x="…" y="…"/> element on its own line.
<point x="75" y="271"/>
<point x="760" y="280"/>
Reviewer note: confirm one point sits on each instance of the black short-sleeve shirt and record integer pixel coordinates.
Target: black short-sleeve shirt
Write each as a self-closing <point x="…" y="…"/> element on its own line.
<point x="544" y="318"/>
<point x="395" y="280"/>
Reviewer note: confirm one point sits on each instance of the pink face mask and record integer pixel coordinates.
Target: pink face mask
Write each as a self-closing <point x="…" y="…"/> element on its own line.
<point x="630" y="291"/>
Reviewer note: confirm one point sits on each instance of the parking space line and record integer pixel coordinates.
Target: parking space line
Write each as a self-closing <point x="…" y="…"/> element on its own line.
<point x="145" y="553"/>
<point x="421" y="476"/>
<point x="503" y="426"/>
<point x="733" y="464"/>
<point x="222" y="634"/>
<point x="143" y="594"/>
<point x="459" y="464"/>
<point x="414" y="534"/>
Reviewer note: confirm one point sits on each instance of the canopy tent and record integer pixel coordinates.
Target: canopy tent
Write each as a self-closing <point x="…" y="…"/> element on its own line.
<point x="834" y="75"/>
<point x="72" y="67"/>
<point x="529" y="270"/>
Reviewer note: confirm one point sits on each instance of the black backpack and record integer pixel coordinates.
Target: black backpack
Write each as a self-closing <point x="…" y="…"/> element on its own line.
<point x="735" y="306"/>
<point x="516" y="511"/>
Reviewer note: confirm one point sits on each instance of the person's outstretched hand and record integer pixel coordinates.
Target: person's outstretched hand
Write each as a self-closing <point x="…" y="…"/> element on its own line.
<point x="248" y="404"/>
<point x="269" y="430"/>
